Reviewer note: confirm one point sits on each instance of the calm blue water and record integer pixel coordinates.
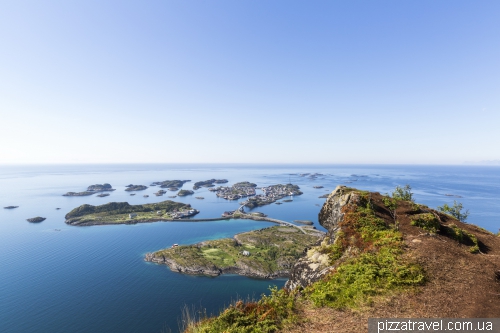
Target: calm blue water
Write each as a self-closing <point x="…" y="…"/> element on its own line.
<point x="94" y="279"/>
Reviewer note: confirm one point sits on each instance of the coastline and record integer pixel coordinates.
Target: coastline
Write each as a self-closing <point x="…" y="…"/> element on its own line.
<point x="266" y="253"/>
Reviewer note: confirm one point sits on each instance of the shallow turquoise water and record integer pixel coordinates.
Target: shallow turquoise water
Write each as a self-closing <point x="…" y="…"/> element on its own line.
<point x="94" y="279"/>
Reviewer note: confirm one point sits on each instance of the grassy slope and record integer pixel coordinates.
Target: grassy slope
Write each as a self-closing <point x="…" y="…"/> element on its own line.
<point x="383" y="269"/>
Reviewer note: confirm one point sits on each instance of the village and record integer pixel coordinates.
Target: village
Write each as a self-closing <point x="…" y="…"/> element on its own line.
<point x="235" y="192"/>
<point x="272" y="194"/>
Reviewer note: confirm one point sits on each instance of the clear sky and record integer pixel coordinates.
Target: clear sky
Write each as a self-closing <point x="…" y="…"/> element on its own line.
<point x="249" y="81"/>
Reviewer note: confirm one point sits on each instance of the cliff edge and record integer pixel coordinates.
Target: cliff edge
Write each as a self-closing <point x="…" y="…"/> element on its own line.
<point x="383" y="256"/>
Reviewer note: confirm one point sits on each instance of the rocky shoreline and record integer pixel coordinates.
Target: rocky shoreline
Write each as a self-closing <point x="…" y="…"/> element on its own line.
<point x="240" y="269"/>
<point x="267" y="253"/>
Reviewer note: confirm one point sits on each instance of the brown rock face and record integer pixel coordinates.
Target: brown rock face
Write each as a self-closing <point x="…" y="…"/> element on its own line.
<point x="315" y="265"/>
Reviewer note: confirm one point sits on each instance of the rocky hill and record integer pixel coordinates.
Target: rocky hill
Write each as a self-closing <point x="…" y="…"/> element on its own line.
<point x="383" y="256"/>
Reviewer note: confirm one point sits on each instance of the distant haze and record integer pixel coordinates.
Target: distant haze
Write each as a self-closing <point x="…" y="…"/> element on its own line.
<point x="410" y="82"/>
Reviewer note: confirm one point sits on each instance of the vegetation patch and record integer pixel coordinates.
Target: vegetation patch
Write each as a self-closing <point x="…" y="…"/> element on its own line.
<point x="270" y="314"/>
<point x="426" y="221"/>
<point x="464" y="237"/>
<point x="378" y="268"/>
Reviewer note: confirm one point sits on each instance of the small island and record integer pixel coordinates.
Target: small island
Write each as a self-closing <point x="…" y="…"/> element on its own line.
<point x="170" y="183"/>
<point x="102" y="195"/>
<point x="135" y="188"/>
<point x="100" y="187"/>
<point x="159" y="193"/>
<point x="265" y="253"/>
<point x="10" y="207"/>
<point x="208" y="183"/>
<point x="78" y="194"/>
<point x="36" y="219"/>
<point x="92" y="189"/>
<point x="324" y="196"/>
<point x="183" y="193"/>
<point x="124" y="213"/>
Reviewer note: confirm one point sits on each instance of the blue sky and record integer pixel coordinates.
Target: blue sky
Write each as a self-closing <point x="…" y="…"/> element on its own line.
<point x="249" y="81"/>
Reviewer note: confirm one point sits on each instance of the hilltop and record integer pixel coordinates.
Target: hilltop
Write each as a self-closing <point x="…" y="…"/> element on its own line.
<point x="381" y="257"/>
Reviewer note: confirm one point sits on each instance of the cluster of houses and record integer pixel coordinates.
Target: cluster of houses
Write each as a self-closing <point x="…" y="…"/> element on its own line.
<point x="272" y="193"/>
<point x="277" y="192"/>
<point x="233" y="192"/>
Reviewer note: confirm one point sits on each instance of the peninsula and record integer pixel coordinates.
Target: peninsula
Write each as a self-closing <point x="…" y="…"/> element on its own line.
<point x="124" y="213"/>
<point x="265" y="253"/>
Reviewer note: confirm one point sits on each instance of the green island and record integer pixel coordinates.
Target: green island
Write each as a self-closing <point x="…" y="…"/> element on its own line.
<point x="92" y="189"/>
<point x="135" y="188"/>
<point x="183" y="193"/>
<point x="265" y="253"/>
<point x="170" y="183"/>
<point x="124" y="213"/>
<point x="100" y="187"/>
<point x="208" y="183"/>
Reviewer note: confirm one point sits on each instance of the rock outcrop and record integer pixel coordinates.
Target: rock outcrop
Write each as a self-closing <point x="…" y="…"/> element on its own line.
<point x="315" y="265"/>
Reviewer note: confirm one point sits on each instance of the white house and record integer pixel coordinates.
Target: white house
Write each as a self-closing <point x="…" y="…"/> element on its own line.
<point x="132" y="215"/>
<point x="246" y="253"/>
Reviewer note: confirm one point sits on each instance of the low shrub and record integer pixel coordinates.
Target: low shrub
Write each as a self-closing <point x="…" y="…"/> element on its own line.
<point x="426" y="221"/>
<point x="269" y="314"/>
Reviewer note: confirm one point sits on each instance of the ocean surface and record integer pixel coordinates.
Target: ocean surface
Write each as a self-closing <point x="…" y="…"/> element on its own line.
<point x="59" y="278"/>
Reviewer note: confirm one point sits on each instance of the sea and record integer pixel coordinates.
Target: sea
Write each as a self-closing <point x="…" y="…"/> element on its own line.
<point x="59" y="278"/>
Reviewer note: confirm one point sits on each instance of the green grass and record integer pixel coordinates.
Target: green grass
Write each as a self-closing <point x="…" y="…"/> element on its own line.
<point x="464" y="237"/>
<point x="426" y="221"/>
<point x="269" y="314"/>
<point x="265" y="247"/>
<point x="378" y="269"/>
